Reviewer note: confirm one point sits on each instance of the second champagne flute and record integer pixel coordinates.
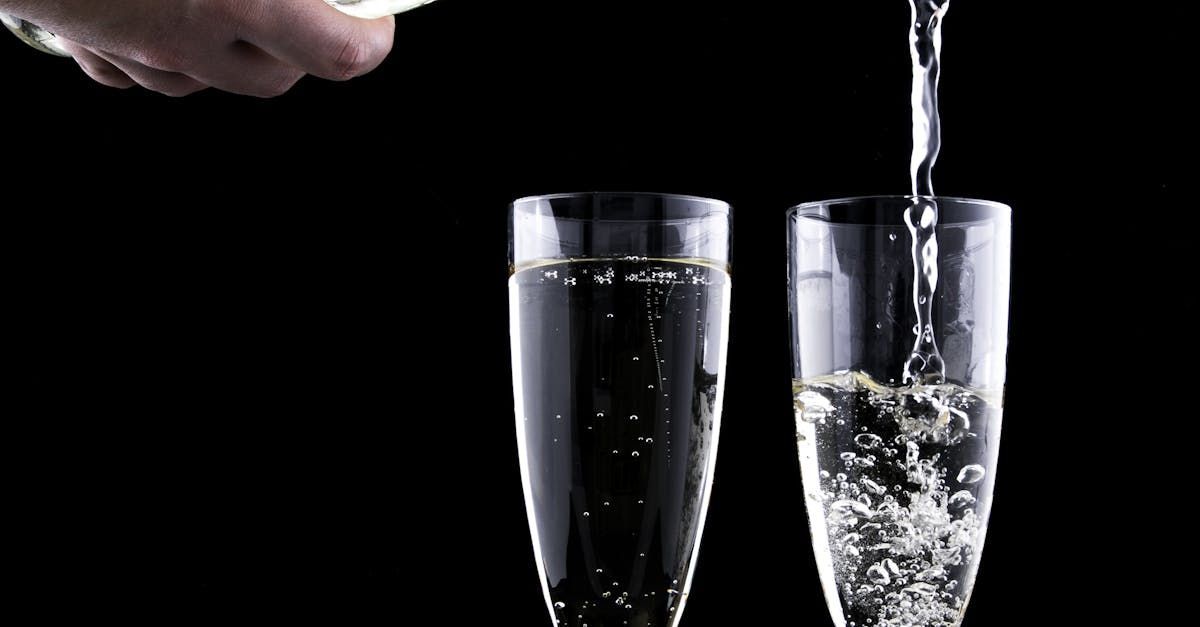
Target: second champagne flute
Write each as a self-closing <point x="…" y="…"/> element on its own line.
<point x="899" y="311"/>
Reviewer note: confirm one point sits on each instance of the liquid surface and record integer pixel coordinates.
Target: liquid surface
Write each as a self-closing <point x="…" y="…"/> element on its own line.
<point x="898" y="485"/>
<point x="618" y="366"/>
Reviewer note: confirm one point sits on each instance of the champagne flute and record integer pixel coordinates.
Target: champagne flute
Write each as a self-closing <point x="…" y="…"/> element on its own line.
<point x="897" y="437"/>
<point x="619" y="318"/>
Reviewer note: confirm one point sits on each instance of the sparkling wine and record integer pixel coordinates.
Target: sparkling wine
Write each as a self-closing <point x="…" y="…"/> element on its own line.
<point x="898" y="484"/>
<point x="618" y="366"/>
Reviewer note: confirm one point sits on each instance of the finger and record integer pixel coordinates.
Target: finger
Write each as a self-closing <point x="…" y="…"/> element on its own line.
<point x="319" y="39"/>
<point x="167" y="83"/>
<point x="246" y="69"/>
<point x="98" y="69"/>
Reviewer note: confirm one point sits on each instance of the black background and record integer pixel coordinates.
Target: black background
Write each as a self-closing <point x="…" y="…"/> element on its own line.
<point x="268" y="339"/>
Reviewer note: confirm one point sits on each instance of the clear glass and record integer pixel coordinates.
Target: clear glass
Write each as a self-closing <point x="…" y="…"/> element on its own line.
<point x="619" y="318"/>
<point x="898" y="475"/>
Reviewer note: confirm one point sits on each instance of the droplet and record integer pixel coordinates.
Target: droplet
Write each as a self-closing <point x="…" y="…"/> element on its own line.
<point x="560" y="605"/>
<point x="558" y="416"/>
<point x="610" y="315"/>
<point x="890" y="564"/>
<point x="616" y="452"/>
<point x="847" y="456"/>
<point x="824" y="474"/>
<point x="922" y="300"/>
<point x="948" y="556"/>
<point x="813" y="413"/>
<point x="635" y="359"/>
<point x="874" y="487"/>
<point x="892" y="236"/>
<point x="868" y="440"/>
<point x="930" y="573"/>
<point x="813" y="407"/>
<point x="962" y="498"/>
<point x="636" y="454"/>
<point x="971" y="473"/>
<point x="921" y="588"/>
<point x="599" y="571"/>
<point x="877" y="575"/>
<point x="633" y="417"/>
<point x="846" y="509"/>
<point x="606" y="504"/>
<point x="587" y="514"/>
<point x="928" y="214"/>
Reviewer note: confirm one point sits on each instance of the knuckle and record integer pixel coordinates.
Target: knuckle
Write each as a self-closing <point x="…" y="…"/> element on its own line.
<point x="176" y="88"/>
<point x="351" y="59"/>
<point x="166" y="57"/>
<point x="117" y="82"/>
<point x="106" y="72"/>
<point x="237" y="15"/>
<point x="277" y="87"/>
<point x="109" y="79"/>
<point x="175" y="92"/>
<point x="223" y="11"/>
<point x="101" y="72"/>
<point x="358" y="53"/>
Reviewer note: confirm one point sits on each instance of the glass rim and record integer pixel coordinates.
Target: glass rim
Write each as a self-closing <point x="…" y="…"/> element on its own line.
<point x="805" y="209"/>
<point x="715" y="204"/>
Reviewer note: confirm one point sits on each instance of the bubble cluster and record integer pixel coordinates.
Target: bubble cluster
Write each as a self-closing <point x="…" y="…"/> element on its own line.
<point x="903" y="529"/>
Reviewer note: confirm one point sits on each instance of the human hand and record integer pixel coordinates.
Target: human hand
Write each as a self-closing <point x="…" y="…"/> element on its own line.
<point x="178" y="47"/>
